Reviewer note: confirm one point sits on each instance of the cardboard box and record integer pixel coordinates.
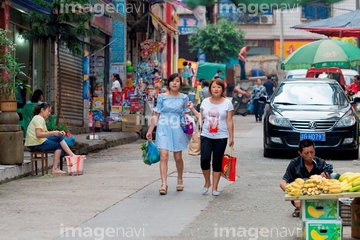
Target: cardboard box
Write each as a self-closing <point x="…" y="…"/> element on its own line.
<point x="320" y="209"/>
<point x="130" y="127"/>
<point x="114" y="125"/>
<point x="126" y="109"/>
<point x="321" y="229"/>
<point x="137" y="119"/>
<point x="115" y="115"/>
<point x="116" y="108"/>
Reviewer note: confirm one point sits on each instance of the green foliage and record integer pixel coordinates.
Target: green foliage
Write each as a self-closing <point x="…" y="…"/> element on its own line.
<point x="9" y="69"/>
<point x="60" y="127"/>
<point x="219" y="41"/>
<point x="65" y="27"/>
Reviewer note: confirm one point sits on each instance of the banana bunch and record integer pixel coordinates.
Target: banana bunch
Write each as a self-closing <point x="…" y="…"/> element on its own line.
<point x="349" y="177"/>
<point x="312" y="186"/>
<point x="331" y="186"/>
<point x="295" y="188"/>
<point x="355" y="186"/>
<point x="349" y="181"/>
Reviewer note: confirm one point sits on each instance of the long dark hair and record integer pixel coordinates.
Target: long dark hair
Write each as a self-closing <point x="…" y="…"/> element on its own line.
<point x="38" y="108"/>
<point x="36" y="96"/>
<point x="117" y="77"/>
<point x="172" y="77"/>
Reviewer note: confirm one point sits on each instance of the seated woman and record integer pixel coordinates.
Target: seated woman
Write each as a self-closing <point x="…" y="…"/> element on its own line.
<point x="38" y="138"/>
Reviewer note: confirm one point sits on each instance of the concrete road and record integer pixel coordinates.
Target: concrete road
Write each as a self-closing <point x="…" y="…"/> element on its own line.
<point x="117" y="198"/>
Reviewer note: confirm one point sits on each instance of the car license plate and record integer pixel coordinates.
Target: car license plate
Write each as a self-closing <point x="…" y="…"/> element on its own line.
<point x="313" y="136"/>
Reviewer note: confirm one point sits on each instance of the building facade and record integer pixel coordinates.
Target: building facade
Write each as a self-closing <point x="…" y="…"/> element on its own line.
<point x="265" y="29"/>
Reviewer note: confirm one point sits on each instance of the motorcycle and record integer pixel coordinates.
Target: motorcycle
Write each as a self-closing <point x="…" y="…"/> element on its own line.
<point x="240" y="101"/>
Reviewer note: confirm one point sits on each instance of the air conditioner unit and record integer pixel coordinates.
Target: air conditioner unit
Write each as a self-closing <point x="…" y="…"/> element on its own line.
<point x="266" y="19"/>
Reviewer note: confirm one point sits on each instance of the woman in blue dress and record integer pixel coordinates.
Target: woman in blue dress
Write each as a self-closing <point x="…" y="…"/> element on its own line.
<point x="170" y="137"/>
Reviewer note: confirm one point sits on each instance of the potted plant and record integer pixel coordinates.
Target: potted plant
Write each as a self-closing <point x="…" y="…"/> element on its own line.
<point x="10" y="69"/>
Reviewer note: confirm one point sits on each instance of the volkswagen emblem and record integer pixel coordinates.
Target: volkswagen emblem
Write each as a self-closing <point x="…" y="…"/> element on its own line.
<point x="312" y="125"/>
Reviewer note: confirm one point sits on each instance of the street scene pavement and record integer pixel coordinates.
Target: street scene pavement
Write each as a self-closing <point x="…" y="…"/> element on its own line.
<point x="117" y="198"/>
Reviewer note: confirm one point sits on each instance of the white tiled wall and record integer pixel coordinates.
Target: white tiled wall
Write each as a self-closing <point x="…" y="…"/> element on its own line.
<point x="291" y="18"/>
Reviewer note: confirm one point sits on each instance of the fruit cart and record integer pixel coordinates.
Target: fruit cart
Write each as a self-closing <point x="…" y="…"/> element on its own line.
<point x="321" y="215"/>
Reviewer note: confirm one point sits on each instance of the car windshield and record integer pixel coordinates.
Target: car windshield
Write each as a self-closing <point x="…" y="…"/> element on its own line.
<point x="310" y="94"/>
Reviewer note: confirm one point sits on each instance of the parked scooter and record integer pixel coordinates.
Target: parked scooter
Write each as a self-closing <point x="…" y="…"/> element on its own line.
<point x="241" y="99"/>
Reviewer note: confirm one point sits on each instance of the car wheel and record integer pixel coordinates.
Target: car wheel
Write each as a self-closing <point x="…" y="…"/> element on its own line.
<point x="245" y="113"/>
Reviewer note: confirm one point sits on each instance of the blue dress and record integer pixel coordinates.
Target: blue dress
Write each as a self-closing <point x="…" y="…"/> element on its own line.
<point x="169" y="134"/>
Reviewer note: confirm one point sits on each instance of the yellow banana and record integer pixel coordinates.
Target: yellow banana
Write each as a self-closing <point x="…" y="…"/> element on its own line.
<point x="297" y="186"/>
<point x="346" y="187"/>
<point x="344" y="183"/>
<point x="335" y="190"/>
<point x="354" y="189"/>
<point x="295" y="192"/>
<point x="356" y="182"/>
<point x="299" y="181"/>
<point x="316" y="236"/>
<point x="353" y="177"/>
<point x="314" y="213"/>
<point x="344" y="176"/>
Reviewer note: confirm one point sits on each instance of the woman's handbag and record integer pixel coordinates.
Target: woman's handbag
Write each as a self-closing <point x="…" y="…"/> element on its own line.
<point x="186" y="122"/>
<point x="228" y="169"/>
<point x="195" y="143"/>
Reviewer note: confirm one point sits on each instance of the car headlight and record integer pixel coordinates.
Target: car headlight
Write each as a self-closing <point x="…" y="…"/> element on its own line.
<point x="347" y="120"/>
<point x="279" y="121"/>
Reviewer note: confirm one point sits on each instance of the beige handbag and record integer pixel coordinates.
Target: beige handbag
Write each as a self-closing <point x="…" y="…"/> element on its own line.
<point x="194" y="146"/>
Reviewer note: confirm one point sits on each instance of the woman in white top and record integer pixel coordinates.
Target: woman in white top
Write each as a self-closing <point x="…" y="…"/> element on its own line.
<point x="117" y="83"/>
<point x="217" y="131"/>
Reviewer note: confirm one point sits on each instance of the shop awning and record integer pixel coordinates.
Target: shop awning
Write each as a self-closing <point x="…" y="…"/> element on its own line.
<point x="165" y="25"/>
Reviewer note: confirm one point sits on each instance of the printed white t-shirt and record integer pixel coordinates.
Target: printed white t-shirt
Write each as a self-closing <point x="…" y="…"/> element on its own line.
<point x="214" y="116"/>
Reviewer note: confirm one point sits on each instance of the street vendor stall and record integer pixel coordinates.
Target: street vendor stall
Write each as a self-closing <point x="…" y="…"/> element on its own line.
<point x="321" y="215"/>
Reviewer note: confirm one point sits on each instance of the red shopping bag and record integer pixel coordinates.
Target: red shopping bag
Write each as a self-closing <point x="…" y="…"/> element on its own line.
<point x="228" y="169"/>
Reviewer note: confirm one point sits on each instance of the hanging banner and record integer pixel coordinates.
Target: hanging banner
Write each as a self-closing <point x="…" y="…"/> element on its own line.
<point x="86" y="90"/>
<point x="187" y="25"/>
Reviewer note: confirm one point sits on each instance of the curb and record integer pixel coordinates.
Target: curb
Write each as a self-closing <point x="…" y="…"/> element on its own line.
<point x="82" y="146"/>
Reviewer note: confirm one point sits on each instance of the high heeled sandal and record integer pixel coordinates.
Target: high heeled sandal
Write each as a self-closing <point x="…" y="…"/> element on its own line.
<point x="163" y="189"/>
<point x="180" y="186"/>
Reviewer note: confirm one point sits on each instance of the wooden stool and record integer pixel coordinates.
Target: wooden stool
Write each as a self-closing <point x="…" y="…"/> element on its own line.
<point x="36" y="156"/>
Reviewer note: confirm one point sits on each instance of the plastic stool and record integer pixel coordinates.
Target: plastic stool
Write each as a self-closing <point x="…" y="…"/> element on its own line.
<point x="36" y="156"/>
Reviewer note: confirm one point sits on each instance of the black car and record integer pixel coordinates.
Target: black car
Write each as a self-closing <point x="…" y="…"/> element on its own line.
<point x="316" y="109"/>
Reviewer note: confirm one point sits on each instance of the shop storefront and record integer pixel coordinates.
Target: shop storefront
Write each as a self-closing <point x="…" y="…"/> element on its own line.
<point x="99" y="67"/>
<point x="35" y="57"/>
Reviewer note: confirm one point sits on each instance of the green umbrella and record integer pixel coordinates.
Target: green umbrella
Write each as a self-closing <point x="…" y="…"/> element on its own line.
<point x="323" y="53"/>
